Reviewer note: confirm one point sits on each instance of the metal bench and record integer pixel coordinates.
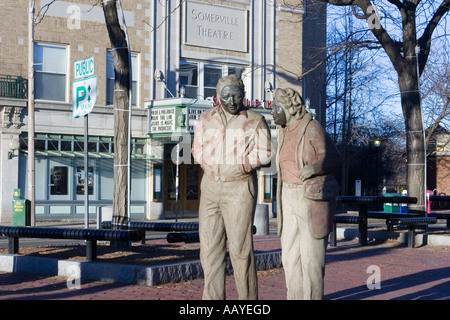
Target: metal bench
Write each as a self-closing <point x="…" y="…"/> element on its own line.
<point x="441" y="216"/>
<point x="388" y="215"/>
<point x="341" y="219"/>
<point x="412" y="224"/>
<point x="143" y="226"/>
<point x="363" y="203"/>
<point x="90" y="235"/>
<point x="356" y="220"/>
<point x="186" y="237"/>
<point x="177" y="230"/>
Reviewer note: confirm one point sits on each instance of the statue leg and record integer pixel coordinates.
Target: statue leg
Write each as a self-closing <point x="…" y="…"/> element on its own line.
<point x="212" y="243"/>
<point x="238" y="212"/>
<point x="303" y="256"/>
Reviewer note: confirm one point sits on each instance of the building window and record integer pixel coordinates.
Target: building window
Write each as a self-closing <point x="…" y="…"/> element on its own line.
<point x="110" y="78"/>
<point x="50" y="65"/>
<point x="80" y="176"/>
<point x="199" y="79"/>
<point x="58" y="181"/>
<point x="212" y="74"/>
<point x="189" y="78"/>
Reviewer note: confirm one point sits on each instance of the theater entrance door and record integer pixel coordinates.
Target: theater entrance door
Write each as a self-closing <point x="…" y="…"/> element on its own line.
<point x="189" y="186"/>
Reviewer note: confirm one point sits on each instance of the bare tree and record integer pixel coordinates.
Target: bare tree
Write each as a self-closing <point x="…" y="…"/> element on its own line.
<point x="120" y="53"/>
<point x="408" y="55"/>
<point x="353" y="88"/>
<point x="436" y="92"/>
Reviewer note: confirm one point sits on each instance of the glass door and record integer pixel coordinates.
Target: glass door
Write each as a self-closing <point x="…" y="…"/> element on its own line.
<point x="189" y="186"/>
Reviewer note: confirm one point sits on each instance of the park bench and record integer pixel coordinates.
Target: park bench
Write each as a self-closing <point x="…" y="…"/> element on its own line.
<point x="91" y="236"/>
<point x="363" y="203"/>
<point x="143" y="226"/>
<point x="186" y="237"/>
<point x="345" y="219"/>
<point x="341" y="219"/>
<point x="440" y="215"/>
<point x="177" y="230"/>
<point x="412" y="224"/>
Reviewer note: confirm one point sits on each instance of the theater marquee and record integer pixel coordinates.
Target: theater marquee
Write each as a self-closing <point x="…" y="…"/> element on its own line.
<point x="215" y="26"/>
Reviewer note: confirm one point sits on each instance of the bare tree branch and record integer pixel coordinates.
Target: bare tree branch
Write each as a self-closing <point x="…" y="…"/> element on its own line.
<point x="397" y="3"/>
<point x="425" y="39"/>
<point x="43" y="11"/>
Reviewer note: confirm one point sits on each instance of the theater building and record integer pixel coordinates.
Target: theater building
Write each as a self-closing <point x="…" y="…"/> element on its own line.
<point x="179" y="49"/>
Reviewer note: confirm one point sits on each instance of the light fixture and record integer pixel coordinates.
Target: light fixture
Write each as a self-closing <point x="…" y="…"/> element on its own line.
<point x="159" y="76"/>
<point x="377" y="143"/>
<point x="13" y="145"/>
<point x="307" y="103"/>
<point x="182" y="91"/>
<point x="268" y="86"/>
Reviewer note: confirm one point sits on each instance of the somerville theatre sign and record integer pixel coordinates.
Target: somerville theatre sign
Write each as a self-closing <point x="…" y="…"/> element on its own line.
<point x="215" y="26"/>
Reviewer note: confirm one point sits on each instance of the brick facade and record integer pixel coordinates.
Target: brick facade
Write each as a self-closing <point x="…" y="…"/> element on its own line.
<point x="82" y="37"/>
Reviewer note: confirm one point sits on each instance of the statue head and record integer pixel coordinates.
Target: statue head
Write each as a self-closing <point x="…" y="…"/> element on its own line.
<point x="231" y="92"/>
<point x="288" y="106"/>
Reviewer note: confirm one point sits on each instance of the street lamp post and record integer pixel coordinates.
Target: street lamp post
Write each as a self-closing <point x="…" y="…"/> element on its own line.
<point x="31" y="125"/>
<point x="377" y="144"/>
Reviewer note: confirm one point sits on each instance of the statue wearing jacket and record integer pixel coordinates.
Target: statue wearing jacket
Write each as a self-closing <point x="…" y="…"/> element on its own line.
<point x="306" y="191"/>
<point x="230" y="143"/>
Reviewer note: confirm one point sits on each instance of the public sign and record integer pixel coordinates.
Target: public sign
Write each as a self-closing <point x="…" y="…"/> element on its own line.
<point x="84" y="68"/>
<point x="84" y="96"/>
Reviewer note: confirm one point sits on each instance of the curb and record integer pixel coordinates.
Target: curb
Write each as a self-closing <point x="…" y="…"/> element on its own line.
<point x="129" y="274"/>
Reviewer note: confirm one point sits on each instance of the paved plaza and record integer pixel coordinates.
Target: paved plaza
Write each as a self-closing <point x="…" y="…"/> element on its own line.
<point x="379" y="271"/>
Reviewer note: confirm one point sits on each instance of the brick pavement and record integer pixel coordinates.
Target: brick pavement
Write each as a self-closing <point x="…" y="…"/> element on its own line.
<point x="406" y="274"/>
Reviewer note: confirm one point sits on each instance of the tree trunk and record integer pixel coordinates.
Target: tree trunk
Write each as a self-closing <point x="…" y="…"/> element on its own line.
<point x="408" y="80"/>
<point x="415" y="140"/>
<point x="120" y="52"/>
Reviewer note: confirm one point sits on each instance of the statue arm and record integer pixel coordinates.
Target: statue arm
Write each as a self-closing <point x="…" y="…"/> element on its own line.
<point x="259" y="153"/>
<point x="319" y="154"/>
<point x="197" y="145"/>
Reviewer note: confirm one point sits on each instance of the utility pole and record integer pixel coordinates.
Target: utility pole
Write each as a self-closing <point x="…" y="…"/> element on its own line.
<point x="30" y="164"/>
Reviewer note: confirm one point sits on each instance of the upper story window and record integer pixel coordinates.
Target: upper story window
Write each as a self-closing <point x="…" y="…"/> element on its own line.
<point x="50" y="65"/>
<point x="212" y="74"/>
<point x="189" y="78"/>
<point x="199" y="79"/>
<point x="110" y="78"/>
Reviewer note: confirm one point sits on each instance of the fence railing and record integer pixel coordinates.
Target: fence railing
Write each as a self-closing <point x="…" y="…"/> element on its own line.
<point x="13" y="87"/>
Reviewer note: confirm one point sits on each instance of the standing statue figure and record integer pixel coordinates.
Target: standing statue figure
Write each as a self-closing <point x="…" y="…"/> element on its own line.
<point x="230" y="143"/>
<point x="306" y="194"/>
